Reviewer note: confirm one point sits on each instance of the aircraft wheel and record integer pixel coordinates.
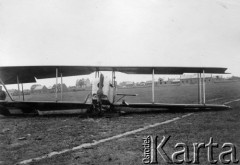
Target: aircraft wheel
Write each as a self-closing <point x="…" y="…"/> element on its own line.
<point x="4" y="111"/>
<point x="95" y="110"/>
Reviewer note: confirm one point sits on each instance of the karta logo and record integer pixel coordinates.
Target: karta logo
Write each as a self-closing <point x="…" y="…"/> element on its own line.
<point x="152" y="149"/>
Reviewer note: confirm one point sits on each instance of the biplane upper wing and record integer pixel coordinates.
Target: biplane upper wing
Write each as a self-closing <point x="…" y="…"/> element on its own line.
<point x="27" y="74"/>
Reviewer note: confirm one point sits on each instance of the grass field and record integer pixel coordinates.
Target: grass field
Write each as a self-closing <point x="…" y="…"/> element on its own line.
<point x="23" y="138"/>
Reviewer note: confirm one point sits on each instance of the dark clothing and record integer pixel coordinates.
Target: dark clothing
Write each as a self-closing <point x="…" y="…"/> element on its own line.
<point x="2" y="95"/>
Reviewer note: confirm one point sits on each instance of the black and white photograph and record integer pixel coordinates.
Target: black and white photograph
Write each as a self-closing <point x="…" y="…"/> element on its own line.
<point x="119" y="82"/>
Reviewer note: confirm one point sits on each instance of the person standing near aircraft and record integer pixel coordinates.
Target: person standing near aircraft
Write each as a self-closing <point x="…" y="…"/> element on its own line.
<point x="2" y="94"/>
<point x="100" y="93"/>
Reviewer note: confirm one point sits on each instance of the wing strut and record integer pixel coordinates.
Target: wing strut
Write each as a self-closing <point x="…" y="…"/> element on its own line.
<point x="114" y="85"/>
<point x="96" y="73"/>
<point x="203" y="87"/>
<point x="22" y="92"/>
<point x="112" y="77"/>
<point x="18" y="88"/>
<point x="153" y="86"/>
<point x="56" y="90"/>
<point x="61" y="88"/>
<point x="199" y="89"/>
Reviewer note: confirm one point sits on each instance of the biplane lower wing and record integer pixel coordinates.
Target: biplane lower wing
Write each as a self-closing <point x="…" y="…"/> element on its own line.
<point x="33" y="107"/>
<point x="12" y="108"/>
<point x="161" y="107"/>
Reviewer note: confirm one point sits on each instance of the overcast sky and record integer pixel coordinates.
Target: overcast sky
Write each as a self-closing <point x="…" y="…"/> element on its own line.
<point x="121" y="32"/>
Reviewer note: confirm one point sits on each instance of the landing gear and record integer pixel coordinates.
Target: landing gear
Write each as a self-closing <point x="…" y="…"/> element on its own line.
<point x="96" y="108"/>
<point x="100" y="108"/>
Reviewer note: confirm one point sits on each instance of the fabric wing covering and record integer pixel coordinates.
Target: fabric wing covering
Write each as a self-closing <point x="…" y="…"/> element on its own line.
<point x="27" y="74"/>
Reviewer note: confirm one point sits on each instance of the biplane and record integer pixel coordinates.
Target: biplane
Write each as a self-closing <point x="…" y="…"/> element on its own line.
<point x="103" y="97"/>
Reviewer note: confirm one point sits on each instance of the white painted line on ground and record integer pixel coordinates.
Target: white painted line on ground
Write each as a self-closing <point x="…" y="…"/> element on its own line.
<point x="187" y="115"/>
<point x="216" y="99"/>
<point x="231" y="101"/>
<point x="85" y="145"/>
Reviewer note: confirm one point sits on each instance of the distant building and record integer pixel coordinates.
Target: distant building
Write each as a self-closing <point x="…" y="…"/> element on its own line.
<point x="169" y="81"/>
<point x="235" y="78"/>
<point x="193" y="79"/>
<point x="40" y="89"/>
<point x="175" y="81"/>
<point x="140" y="84"/>
<point x="127" y="84"/>
<point x="149" y="83"/>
